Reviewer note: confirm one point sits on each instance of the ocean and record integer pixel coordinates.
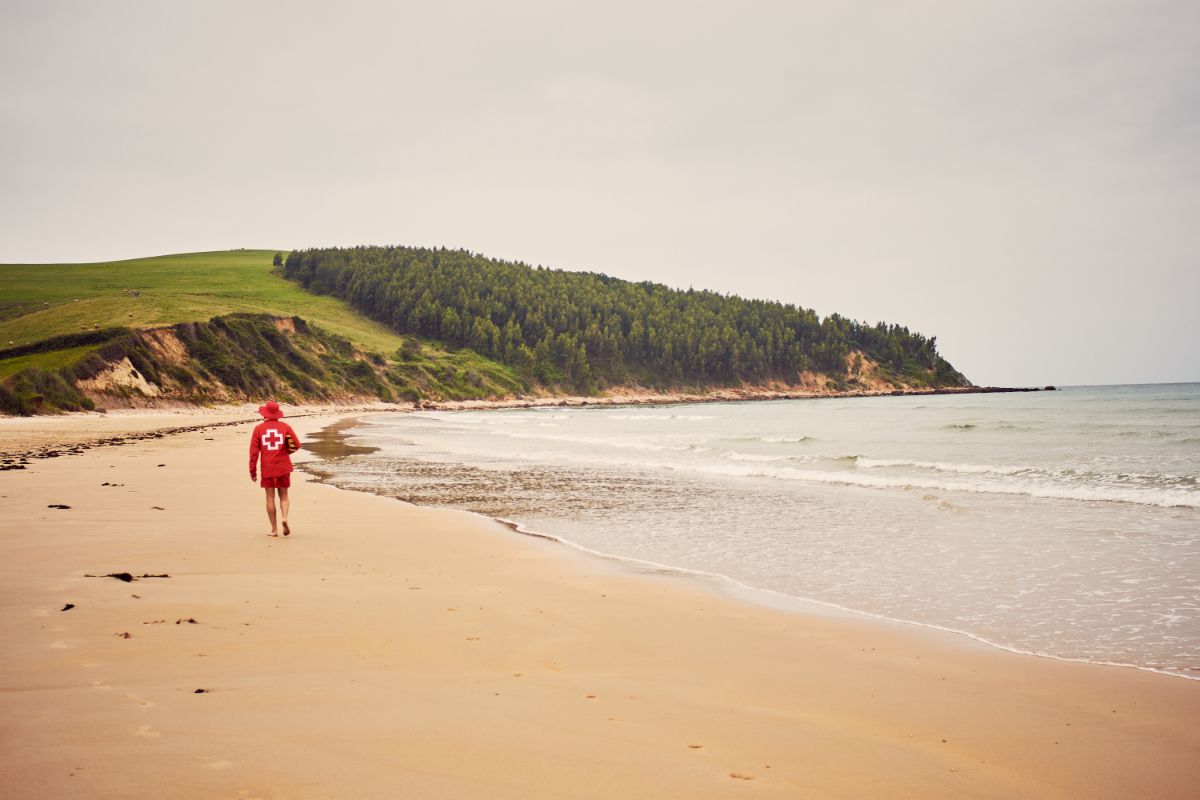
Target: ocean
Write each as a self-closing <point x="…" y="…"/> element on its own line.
<point x="1063" y="524"/>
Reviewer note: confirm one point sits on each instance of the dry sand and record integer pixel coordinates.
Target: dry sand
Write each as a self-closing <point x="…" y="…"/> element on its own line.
<point x="391" y="651"/>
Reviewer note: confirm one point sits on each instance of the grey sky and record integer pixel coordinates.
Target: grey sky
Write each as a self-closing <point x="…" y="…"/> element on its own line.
<point x="1020" y="179"/>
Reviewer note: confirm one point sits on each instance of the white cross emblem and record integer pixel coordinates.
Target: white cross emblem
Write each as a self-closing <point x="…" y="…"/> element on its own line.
<point x="272" y="440"/>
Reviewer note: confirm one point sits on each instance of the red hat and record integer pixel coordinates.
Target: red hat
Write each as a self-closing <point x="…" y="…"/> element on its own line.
<point x="270" y="410"/>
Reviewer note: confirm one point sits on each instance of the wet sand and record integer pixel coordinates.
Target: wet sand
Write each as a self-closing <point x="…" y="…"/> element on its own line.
<point x="386" y="650"/>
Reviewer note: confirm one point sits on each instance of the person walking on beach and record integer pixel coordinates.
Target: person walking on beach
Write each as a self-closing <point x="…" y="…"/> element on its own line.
<point x="274" y="441"/>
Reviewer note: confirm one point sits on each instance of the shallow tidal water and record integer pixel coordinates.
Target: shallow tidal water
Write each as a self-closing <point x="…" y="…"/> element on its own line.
<point x="1065" y="524"/>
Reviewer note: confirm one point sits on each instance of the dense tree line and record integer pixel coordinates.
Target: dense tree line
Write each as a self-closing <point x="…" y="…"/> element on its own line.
<point x="588" y="330"/>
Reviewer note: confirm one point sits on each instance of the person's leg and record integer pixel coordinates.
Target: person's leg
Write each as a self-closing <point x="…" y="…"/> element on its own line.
<point x="271" y="511"/>
<point x="283" y="507"/>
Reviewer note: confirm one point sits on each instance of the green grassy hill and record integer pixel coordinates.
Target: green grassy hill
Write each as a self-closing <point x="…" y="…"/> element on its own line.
<point x="38" y="301"/>
<point x="61" y="325"/>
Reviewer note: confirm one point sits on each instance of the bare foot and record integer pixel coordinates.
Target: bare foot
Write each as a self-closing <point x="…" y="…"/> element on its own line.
<point x="274" y="534"/>
<point x="286" y="530"/>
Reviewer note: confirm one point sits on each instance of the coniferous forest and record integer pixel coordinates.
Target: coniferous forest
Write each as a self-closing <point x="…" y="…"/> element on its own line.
<point x="588" y="331"/>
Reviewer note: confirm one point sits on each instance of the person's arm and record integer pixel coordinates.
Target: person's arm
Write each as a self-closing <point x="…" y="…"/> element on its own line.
<point x="254" y="448"/>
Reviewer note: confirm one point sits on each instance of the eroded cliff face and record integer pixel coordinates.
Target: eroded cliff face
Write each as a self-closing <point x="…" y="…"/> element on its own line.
<point x="120" y="379"/>
<point x="228" y="359"/>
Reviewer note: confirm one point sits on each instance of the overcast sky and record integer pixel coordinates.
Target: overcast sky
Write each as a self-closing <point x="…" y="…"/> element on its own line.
<point x="1019" y="179"/>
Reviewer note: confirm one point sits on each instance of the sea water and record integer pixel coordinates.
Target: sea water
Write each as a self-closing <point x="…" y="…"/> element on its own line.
<point x="1065" y="523"/>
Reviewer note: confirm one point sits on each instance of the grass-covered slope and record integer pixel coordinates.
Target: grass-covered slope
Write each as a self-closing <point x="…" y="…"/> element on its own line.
<point x="232" y="357"/>
<point x="38" y="301"/>
<point x="205" y="327"/>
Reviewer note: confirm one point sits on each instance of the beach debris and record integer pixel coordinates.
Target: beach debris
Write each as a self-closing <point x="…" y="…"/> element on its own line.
<point x="200" y="691"/>
<point x="127" y="577"/>
<point x="157" y="508"/>
<point x="121" y="576"/>
<point x="155" y="622"/>
<point x="162" y="465"/>
<point x="124" y="635"/>
<point x="68" y="606"/>
<point x="57" y="505"/>
<point x="188" y="620"/>
<point x="741" y="776"/>
<point x="695" y="746"/>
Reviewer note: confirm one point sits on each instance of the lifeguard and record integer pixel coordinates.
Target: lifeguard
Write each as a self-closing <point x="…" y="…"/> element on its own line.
<point x="273" y="442"/>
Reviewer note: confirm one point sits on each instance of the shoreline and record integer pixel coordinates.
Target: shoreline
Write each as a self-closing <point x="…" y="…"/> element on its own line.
<point x="621" y="396"/>
<point x="391" y="649"/>
<point x="627" y="397"/>
<point x="722" y="584"/>
<point x="346" y="417"/>
<point x="758" y="596"/>
<point x="129" y="423"/>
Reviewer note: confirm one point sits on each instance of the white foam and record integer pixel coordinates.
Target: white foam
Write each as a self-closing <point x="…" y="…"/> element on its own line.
<point x="620" y="444"/>
<point x="757" y="457"/>
<point x="647" y="417"/>
<point x="940" y="466"/>
<point x="1163" y="498"/>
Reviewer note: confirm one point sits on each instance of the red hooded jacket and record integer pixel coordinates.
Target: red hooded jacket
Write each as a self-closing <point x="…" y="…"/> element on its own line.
<point x="267" y="441"/>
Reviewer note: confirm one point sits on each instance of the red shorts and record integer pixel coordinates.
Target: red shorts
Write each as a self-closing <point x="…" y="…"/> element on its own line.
<point x="282" y="482"/>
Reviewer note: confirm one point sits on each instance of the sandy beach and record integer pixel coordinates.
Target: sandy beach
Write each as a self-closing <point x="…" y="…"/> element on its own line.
<point x="386" y="650"/>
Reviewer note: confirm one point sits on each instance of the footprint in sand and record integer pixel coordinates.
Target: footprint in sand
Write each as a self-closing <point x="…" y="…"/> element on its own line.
<point x="148" y="732"/>
<point x="741" y="776"/>
<point x="140" y="701"/>
<point x="218" y="763"/>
